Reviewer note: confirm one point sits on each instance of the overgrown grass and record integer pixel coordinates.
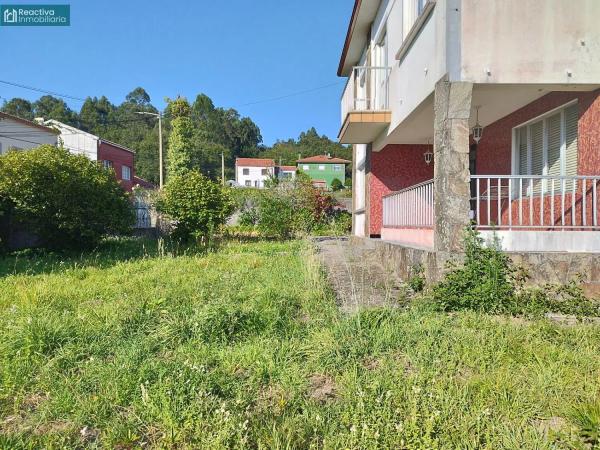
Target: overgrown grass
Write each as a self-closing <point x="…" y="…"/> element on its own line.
<point x="244" y="347"/>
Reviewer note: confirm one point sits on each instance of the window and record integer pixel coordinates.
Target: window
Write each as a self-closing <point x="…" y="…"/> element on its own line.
<point x="264" y="172"/>
<point x="126" y="172"/>
<point x="248" y="183"/>
<point x="246" y="171"/>
<point x="107" y="164"/>
<point x="321" y="167"/>
<point x="548" y="146"/>
<point x="337" y="168"/>
<point x="305" y="167"/>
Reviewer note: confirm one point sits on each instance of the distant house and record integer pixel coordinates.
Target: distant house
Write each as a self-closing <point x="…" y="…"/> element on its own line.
<point x="107" y="153"/>
<point x="253" y="172"/>
<point x="286" y="172"/>
<point x="323" y="169"/>
<point x="21" y="134"/>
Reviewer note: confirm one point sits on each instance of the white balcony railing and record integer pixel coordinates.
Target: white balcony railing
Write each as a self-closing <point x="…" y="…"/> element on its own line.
<point x="409" y="208"/>
<point x="535" y="202"/>
<point x="367" y="89"/>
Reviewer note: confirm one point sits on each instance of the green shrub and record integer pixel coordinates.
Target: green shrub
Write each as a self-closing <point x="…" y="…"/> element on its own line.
<point x="197" y="205"/>
<point x="276" y="216"/>
<point x="483" y="283"/>
<point x="67" y="200"/>
<point x="489" y="282"/>
<point x="336" y="184"/>
<point x="417" y="278"/>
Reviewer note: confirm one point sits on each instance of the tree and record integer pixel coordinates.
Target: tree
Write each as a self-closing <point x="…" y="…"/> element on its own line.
<point x="18" y="107"/>
<point x="198" y="205"/>
<point x="180" y="147"/>
<point x="65" y="199"/>
<point x="336" y="184"/>
<point x="96" y="114"/>
<point x="50" y="107"/>
<point x="138" y="97"/>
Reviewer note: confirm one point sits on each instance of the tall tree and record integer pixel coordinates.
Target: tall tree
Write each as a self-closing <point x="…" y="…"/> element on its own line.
<point x="180" y="147"/>
<point x="96" y="114"/>
<point x="18" y="107"/>
<point x="50" y="107"/>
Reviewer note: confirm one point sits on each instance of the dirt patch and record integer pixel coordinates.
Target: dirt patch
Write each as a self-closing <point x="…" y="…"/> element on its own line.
<point x="272" y="399"/>
<point x="54" y="427"/>
<point x="322" y="389"/>
<point x="551" y="424"/>
<point x="371" y="363"/>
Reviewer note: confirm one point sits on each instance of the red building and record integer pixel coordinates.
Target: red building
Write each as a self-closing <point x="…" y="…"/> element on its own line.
<point x="121" y="159"/>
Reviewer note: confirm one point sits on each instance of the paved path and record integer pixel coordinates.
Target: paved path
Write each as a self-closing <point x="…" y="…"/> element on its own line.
<point x="356" y="277"/>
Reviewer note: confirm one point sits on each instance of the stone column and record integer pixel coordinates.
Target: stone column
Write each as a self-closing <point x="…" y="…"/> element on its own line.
<point x="451" y="158"/>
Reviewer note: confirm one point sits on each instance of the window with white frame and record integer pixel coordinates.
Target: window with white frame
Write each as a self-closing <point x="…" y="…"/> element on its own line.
<point x="547" y="146"/>
<point x="248" y="183"/>
<point x="246" y="171"/>
<point x="125" y="172"/>
<point x="264" y="172"/>
<point x="337" y="168"/>
<point x="107" y="164"/>
<point x="321" y="167"/>
<point x="305" y="167"/>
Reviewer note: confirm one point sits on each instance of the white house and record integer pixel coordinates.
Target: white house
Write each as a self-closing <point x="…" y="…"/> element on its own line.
<point x="480" y="112"/>
<point x="75" y="140"/>
<point x="21" y="134"/>
<point x="253" y="172"/>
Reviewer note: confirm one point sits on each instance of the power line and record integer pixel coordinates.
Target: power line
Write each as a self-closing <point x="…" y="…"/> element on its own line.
<point x="293" y="94"/>
<point x="31" y="88"/>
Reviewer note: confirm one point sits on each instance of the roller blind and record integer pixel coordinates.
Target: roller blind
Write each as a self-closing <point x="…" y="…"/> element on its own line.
<point x="548" y="146"/>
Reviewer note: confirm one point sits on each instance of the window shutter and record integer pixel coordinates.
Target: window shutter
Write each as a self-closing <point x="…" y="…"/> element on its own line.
<point x="553" y="125"/>
<point x="571" y="121"/>
<point x="523" y="169"/>
<point x="537" y="153"/>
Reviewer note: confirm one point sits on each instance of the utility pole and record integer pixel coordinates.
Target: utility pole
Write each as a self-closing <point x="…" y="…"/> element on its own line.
<point x="160" y="145"/>
<point x="223" y="168"/>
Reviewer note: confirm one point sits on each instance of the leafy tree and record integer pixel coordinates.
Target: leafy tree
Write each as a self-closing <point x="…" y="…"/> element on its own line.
<point x="198" y="205"/>
<point x="50" y="107"/>
<point x="180" y="147"/>
<point x="67" y="200"/>
<point x="95" y="114"/>
<point x="336" y="184"/>
<point x="138" y="97"/>
<point x="18" y="107"/>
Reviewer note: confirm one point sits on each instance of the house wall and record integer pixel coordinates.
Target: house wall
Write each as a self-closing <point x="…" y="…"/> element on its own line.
<point x="22" y="136"/>
<point x="328" y="174"/>
<point x="77" y="141"/>
<point x="560" y="36"/>
<point x="120" y="158"/>
<point x="396" y="167"/>
<point x="494" y="157"/>
<point x="255" y="174"/>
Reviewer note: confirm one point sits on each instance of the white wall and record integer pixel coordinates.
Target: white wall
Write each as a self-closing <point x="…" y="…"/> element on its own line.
<point x="75" y="140"/>
<point x="255" y="175"/>
<point x="533" y="41"/>
<point x="21" y="136"/>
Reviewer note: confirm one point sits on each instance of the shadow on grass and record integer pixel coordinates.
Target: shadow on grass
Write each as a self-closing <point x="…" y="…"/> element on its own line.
<point x="108" y="253"/>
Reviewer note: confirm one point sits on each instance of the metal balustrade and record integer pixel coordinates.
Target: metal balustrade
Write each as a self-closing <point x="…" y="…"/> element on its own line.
<point x="409" y="208"/>
<point x="535" y="202"/>
<point x="367" y="89"/>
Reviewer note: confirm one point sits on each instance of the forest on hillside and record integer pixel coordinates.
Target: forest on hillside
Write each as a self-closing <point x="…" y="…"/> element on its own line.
<point x="213" y="130"/>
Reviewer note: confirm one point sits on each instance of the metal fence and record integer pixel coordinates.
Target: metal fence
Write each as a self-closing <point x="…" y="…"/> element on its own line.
<point x="530" y="201"/>
<point x="409" y="208"/>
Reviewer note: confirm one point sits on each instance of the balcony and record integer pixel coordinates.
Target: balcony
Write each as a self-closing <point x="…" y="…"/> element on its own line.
<point x="365" y="105"/>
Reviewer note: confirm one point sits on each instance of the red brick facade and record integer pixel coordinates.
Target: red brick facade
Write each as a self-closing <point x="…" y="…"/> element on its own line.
<point x="119" y="158"/>
<point x="393" y="168"/>
<point x="400" y="166"/>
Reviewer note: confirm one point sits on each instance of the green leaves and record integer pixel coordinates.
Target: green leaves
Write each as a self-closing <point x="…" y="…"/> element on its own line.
<point x="67" y="200"/>
<point x="196" y="204"/>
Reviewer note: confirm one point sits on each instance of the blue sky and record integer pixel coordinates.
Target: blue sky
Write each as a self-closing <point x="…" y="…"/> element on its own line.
<point x="237" y="52"/>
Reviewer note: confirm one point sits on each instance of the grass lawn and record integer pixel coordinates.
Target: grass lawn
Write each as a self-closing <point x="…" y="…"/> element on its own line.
<point x="244" y="347"/>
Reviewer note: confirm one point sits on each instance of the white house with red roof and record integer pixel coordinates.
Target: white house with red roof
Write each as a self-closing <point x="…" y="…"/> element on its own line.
<point x="253" y="172"/>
